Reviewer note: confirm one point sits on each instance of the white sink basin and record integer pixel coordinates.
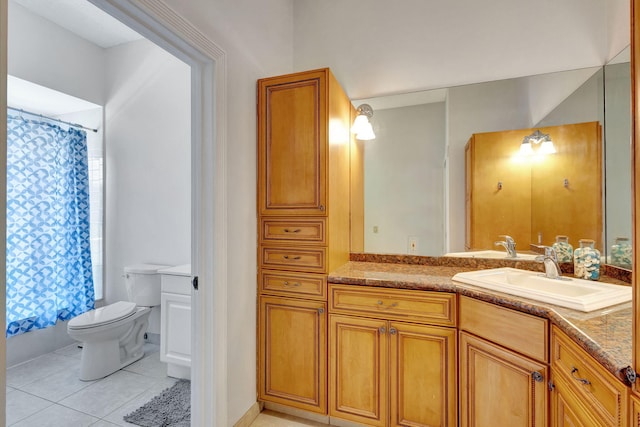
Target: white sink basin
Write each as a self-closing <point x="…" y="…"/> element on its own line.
<point x="578" y="294"/>
<point x="490" y="254"/>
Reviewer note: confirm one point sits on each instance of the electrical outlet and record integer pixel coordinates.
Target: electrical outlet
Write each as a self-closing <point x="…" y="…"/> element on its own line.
<point x="412" y="244"/>
<point x="375" y="228"/>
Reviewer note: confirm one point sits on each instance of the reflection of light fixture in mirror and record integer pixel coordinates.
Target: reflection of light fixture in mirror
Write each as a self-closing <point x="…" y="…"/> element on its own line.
<point x="361" y="125"/>
<point x="546" y="145"/>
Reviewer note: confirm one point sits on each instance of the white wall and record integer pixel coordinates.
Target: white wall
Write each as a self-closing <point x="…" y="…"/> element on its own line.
<point x="377" y="47"/>
<point x="44" y="53"/>
<point x="256" y="37"/>
<point x="618" y="26"/>
<point x="148" y="162"/>
<point x="404" y="178"/>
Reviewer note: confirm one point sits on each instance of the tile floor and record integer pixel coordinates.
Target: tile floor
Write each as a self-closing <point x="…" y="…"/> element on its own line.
<point x="46" y="391"/>
<point x="274" y="419"/>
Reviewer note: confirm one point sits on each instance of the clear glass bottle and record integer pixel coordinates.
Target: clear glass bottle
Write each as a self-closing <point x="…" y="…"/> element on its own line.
<point x="564" y="250"/>
<point x="586" y="260"/>
<point x="621" y="252"/>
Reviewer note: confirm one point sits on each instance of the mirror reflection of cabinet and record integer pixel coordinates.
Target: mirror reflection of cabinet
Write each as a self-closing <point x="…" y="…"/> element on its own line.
<point x="534" y="198"/>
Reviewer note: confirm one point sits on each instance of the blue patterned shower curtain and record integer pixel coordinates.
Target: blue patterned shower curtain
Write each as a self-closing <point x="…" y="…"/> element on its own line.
<point x="48" y="258"/>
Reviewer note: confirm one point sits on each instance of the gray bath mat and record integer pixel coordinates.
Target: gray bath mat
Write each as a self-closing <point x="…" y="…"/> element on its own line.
<point x="172" y="408"/>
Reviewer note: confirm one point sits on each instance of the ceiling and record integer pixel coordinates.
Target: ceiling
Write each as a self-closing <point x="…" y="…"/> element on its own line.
<point x="83" y="19"/>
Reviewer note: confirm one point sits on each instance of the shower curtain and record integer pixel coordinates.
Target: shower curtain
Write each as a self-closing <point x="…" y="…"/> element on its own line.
<point x="48" y="274"/>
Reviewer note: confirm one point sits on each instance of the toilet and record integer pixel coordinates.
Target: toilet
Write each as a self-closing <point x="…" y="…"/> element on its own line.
<point x="112" y="336"/>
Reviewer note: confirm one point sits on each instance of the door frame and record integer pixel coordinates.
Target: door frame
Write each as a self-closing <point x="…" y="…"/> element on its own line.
<point x="161" y="25"/>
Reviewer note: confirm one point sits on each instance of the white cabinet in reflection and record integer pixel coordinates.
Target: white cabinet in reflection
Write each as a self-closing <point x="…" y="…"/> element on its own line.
<point x="175" y="320"/>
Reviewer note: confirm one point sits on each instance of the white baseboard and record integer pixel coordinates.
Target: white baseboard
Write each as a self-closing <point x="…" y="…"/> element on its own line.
<point x="249" y="416"/>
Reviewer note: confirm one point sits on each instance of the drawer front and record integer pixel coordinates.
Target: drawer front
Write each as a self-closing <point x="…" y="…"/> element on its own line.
<point x="176" y="284"/>
<point x="521" y="332"/>
<point x="282" y="283"/>
<point x="437" y="308"/>
<point x="306" y="231"/>
<point x="297" y="259"/>
<point x="593" y="384"/>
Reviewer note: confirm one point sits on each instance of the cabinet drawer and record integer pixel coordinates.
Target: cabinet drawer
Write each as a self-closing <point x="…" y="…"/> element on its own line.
<point x="282" y="283"/>
<point x="176" y="284"/>
<point x="599" y="390"/>
<point x="287" y="230"/>
<point x="298" y="259"/>
<point x="437" y="308"/>
<point x="522" y="332"/>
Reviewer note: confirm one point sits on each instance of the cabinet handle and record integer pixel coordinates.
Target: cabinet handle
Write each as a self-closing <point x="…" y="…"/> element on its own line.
<point x="381" y="305"/>
<point x="584" y="381"/>
<point x="393" y="331"/>
<point x="382" y="330"/>
<point x="294" y="258"/>
<point x="320" y="310"/>
<point x="537" y="376"/>
<point x="296" y="284"/>
<point x="297" y="230"/>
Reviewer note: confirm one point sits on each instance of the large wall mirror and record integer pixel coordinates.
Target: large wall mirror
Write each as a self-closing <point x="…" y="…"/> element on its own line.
<point x="414" y="169"/>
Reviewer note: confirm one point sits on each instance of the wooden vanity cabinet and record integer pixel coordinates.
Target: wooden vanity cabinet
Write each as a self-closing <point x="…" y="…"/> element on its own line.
<point x="583" y="391"/>
<point x="503" y="366"/>
<point x="303" y="204"/>
<point x="392" y="356"/>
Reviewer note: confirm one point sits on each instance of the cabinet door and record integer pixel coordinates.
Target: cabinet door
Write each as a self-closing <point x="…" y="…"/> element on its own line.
<point x="292" y="353"/>
<point x="358" y="369"/>
<point x="175" y="329"/>
<point x="634" y="404"/>
<point x="499" y="387"/>
<point x="423" y="378"/>
<point x="292" y="144"/>
<point x="566" y="409"/>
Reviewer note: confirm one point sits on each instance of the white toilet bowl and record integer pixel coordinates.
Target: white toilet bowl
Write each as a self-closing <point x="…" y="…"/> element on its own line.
<point x="112" y="336"/>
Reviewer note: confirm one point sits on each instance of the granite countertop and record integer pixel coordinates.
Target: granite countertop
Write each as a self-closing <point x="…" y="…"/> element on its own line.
<point x="605" y="334"/>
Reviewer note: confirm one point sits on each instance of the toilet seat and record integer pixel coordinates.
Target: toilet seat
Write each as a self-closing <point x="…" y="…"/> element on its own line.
<point x="104" y="315"/>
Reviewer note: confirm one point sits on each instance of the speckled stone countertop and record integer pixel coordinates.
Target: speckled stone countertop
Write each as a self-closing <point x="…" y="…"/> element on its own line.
<point x="605" y="334"/>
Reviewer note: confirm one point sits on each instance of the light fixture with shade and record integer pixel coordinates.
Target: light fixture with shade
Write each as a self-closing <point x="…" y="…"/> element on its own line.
<point x="361" y="125"/>
<point x="546" y="145"/>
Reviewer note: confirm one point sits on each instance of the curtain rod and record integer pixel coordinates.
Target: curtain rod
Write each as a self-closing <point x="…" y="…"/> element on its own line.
<point x="51" y="118"/>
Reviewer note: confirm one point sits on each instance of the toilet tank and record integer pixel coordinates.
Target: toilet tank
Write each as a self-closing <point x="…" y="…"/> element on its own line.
<point x="143" y="284"/>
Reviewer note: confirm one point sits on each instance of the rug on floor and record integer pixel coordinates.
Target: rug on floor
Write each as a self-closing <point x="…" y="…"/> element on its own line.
<point x="172" y="408"/>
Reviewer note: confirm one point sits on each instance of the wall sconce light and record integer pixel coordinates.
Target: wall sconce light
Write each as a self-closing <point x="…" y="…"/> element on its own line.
<point x="546" y="145"/>
<point x="361" y="125"/>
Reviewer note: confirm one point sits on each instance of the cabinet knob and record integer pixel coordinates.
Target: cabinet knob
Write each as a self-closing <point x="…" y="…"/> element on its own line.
<point x="321" y="208"/>
<point x="393" y="331"/>
<point x="537" y="376"/>
<point x="296" y="284"/>
<point x="320" y="310"/>
<point x="382" y="330"/>
<point x="381" y="305"/>
<point x="584" y="381"/>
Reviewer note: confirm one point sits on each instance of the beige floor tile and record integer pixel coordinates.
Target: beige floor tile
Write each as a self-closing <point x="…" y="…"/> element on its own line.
<point x="275" y="419"/>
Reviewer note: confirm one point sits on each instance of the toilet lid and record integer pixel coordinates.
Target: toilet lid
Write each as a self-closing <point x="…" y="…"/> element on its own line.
<point x="103" y="315"/>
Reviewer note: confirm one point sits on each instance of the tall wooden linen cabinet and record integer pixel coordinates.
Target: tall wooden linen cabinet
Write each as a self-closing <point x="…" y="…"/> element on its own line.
<point x="304" y="197"/>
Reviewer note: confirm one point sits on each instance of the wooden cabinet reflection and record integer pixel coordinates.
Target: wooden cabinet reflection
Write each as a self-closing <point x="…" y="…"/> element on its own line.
<point x="537" y="197"/>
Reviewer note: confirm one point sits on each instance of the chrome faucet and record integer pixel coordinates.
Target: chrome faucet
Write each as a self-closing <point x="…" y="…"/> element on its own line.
<point x="550" y="260"/>
<point x="509" y="244"/>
